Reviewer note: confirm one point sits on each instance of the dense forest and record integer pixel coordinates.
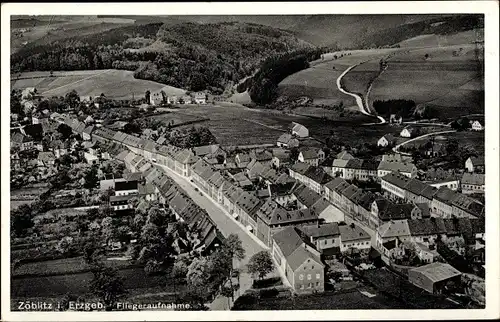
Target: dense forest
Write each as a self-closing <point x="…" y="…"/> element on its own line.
<point x="263" y="86"/>
<point x="187" y="55"/>
<point x="404" y="108"/>
<point x="439" y="26"/>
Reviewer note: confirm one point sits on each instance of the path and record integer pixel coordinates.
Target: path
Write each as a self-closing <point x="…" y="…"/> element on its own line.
<point x="81" y="80"/>
<point x="396" y="148"/>
<point x="227" y="225"/>
<point x="264" y="125"/>
<point x="359" y="101"/>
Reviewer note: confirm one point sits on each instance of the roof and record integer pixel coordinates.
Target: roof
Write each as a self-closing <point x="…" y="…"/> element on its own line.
<point x="473" y="178"/>
<point x="298" y="127"/>
<point x="321" y="230"/>
<point x="317" y="174"/>
<point x="352" y="232"/>
<point x="104" y="133"/>
<point x="88" y="129"/>
<point x="477" y="161"/>
<point x="205" y="149"/>
<point x="306" y="196"/>
<point x="426" y="226"/>
<point x="288" y="240"/>
<point x="185" y="157"/>
<point x="437" y="271"/>
<point x="150" y="146"/>
<point x="300" y="167"/>
<point x="261" y="155"/>
<point x="19" y="138"/>
<point x="255" y="169"/>
<point x="344" y="155"/>
<point x="248" y="202"/>
<point x="332" y="184"/>
<point x="126" y="185"/>
<point x="361" y="164"/>
<point x="394" y="228"/>
<point x="33" y="129"/>
<point x="446" y="195"/>
<point x="389" y="137"/>
<point x="309" y="154"/>
<point x="146" y="189"/>
<point x="285" y="138"/>
<point x="406" y="167"/>
<point x="46" y="156"/>
<point x="299" y="256"/>
<point x="121" y="198"/>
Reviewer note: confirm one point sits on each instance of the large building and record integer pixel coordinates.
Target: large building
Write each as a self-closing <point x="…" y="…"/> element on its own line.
<point x="434" y="277"/>
<point x="299" y="261"/>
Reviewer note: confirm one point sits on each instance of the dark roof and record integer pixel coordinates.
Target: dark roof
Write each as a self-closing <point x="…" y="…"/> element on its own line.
<point x="477" y="161"/>
<point x="126" y="185"/>
<point x="288" y="240"/>
<point x="318" y="175"/>
<point x="20" y="138"/>
<point x="427" y="226"/>
<point x="322" y="230"/>
<point x="300" y="167"/>
<point x="473" y="178"/>
<point x="362" y="164"/>
<point x="352" y="232"/>
<point x="33" y="129"/>
<point x="306" y="196"/>
<point x="332" y="184"/>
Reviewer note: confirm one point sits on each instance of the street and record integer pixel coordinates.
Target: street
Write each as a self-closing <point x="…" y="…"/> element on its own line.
<point x="227" y="225"/>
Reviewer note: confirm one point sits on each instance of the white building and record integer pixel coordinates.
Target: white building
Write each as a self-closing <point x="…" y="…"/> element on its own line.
<point x="477" y="126"/>
<point x="299" y="130"/>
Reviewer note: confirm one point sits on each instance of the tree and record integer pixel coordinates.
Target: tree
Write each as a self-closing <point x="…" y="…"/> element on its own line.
<point x="22" y="220"/>
<point x="91" y="179"/>
<point x="147" y="96"/>
<point x="72" y="99"/>
<point x="107" y="285"/>
<point x="181" y="266"/>
<point x="65" y="131"/>
<point x="260" y="264"/>
<point x="198" y="272"/>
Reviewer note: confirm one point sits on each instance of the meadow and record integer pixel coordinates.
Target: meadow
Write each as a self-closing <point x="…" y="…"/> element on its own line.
<point x="116" y="84"/>
<point x="450" y="80"/>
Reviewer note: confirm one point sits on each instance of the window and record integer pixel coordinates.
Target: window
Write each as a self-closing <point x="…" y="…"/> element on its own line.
<point x="312" y="267"/>
<point x="301" y="277"/>
<point x="318" y="276"/>
<point x="301" y="286"/>
<point x="308" y="276"/>
<point x="309" y="285"/>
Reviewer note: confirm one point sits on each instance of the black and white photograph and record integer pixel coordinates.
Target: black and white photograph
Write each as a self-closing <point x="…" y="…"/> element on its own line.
<point x="203" y="161"/>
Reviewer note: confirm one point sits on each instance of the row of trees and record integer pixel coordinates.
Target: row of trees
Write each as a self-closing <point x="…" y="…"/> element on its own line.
<point x="263" y="87"/>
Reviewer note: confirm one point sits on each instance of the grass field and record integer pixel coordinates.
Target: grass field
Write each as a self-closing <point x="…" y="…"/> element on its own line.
<point x="451" y="83"/>
<point x="175" y="118"/>
<point x="358" y="78"/>
<point x="471" y="138"/>
<point x="465" y="37"/>
<point x="117" y="84"/>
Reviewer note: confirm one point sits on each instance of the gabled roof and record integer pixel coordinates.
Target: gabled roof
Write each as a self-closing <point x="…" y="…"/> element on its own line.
<point x="389" y="137"/>
<point x="473" y="178"/>
<point x="249" y="203"/>
<point x="261" y="155"/>
<point x="205" y="149"/>
<point x="477" y="161"/>
<point x="33" y="129"/>
<point x="256" y="169"/>
<point x="88" y="130"/>
<point x="185" y="157"/>
<point x="104" y="133"/>
<point x="426" y="226"/>
<point x="339" y="163"/>
<point x="285" y="138"/>
<point x="362" y="164"/>
<point x="344" y="155"/>
<point x="306" y="196"/>
<point x="309" y="154"/>
<point x="406" y="167"/>
<point x="121" y="156"/>
<point x="46" y="156"/>
<point x="437" y="271"/>
<point x="394" y="228"/>
<point x="299" y="256"/>
<point x="300" y="167"/>
<point x="19" y="138"/>
<point x="332" y="184"/>
<point x="321" y="230"/>
<point x="298" y="127"/>
<point x="317" y="174"/>
<point x="288" y="240"/>
<point x="352" y="232"/>
<point x="126" y="185"/>
<point x="150" y="146"/>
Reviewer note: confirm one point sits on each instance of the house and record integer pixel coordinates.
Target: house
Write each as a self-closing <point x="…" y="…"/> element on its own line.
<point x="477" y="126"/>
<point x="88" y="120"/>
<point x="46" y="159"/>
<point x="475" y="164"/>
<point x="354" y="168"/>
<point x="406" y="168"/>
<point x="121" y="202"/>
<point x="393" y="118"/>
<point x="311" y="156"/>
<point x="434" y="277"/>
<point x="262" y="156"/>
<point x="398" y="186"/>
<point x="426" y="254"/>
<point x="28" y="93"/>
<point x="450" y="183"/>
<point x="147" y="191"/>
<point x="287" y="140"/>
<point x="323" y="236"/>
<point x="408" y="132"/>
<point x="87" y="133"/>
<point x="183" y="161"/>
<point x="281" y="158"/>
<point x="472" y="183"/>
<point x="299" y="130"/>
<point x="213" y="149"/>
<point x="125" y="188"/>
<point x="156" y="98"/>
<point x="172" y="100"/>
<point x="447" y="203"/>
<point x="200" y="98"/>
<point x="386" y="140"/>
<point x="299" y="262"/>
<point x="90" y="158"/>
<point x="394" y="230"/>
<point x="22" y="141"/>
<point x="15" y="161"/>
<point x="353" y="236"/>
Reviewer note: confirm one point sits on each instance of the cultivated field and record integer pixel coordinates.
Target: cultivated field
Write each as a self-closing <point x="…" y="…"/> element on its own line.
<point x="432" y="40"/>
<point x="117" y="84"/>
<point x="450" y="79"/>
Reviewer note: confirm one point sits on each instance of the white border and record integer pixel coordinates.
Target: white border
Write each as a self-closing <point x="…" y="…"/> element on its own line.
<point x="489" y="8"/>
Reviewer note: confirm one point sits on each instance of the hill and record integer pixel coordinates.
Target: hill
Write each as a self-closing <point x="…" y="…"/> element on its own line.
<point x="187" y="55"/>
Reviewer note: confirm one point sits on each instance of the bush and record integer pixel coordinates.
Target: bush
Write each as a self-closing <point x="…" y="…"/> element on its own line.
<point x="270" y="292"/>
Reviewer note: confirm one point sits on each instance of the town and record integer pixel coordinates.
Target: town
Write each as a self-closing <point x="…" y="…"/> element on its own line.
<point x="237" y="227"/>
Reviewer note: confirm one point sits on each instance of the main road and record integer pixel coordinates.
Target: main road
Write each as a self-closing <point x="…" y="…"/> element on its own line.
<point x="227" y="225"/>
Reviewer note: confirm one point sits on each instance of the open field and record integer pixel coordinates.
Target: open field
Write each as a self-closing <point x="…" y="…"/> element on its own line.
<point x="319" y="81"/>
<point x="117" y="84"/>
<point x="471" y="138"/>
<point x="432" y="40"/>
<point x="176" y="119"/>
<point x="358" y="78"/>
<point x="451" y="83"/>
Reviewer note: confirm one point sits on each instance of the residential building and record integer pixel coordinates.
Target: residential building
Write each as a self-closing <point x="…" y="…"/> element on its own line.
<point x="299" y="130"/>
<point x="475" y="164"/>
<point x="323" y="236"/>
<point x="354" y="237"/>
<point x="125" y="188"/>
<point x="23" y="142"/>
<point x="87" y="133"/>
<point x="46" y="159"/>
<point x="426" y="254"/>
<point x="447" y="203"/>
<point x="183" y="161"/>
<point x="287" y="140"/>
<point x="386" y="140"/>
<point x="395" y="119"/>
<point x="394" y="230"/>
<point x="450" y="183"/>
<point x="200" y="98"/>
<point x="281" y="158"/>
<point x="299" y="262"/>
<point x="311" y="156"/>
<point x="472" y="183"/>
<point x="90" y="158"/>
<point x="434" y="277"/>
<point x="477" y="126"/>
<point x="406" y="168"/>
<point x="408" y="132"/>
<point x="121" y="202"/>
